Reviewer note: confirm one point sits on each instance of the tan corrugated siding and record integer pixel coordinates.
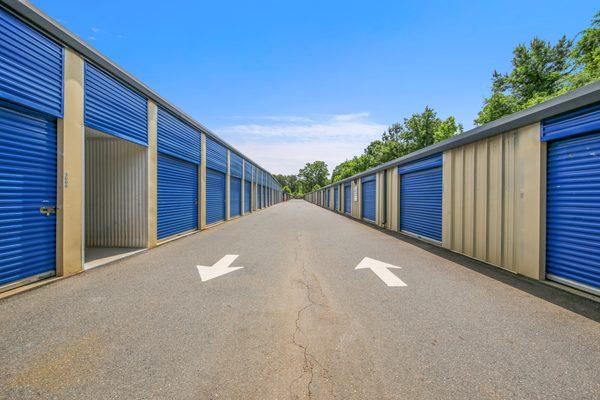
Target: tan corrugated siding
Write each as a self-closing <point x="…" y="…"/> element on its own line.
<point x="115" y="192"/>
<point x="492" y="207"/>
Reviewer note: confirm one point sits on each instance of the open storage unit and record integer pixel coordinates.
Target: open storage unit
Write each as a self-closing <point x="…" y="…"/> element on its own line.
<point x="116" y="140"/>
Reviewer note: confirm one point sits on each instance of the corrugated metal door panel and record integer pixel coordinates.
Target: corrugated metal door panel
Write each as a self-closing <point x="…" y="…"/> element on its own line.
<point x="177" y="138"/>
<point x="247" y="195"/>
<point x="573" y="211"/>
<point x="27" y="182"/>
<point x="248" y="171"/>
<point x="368" y="198"/>
<point x="421" y="203"/>
<point x="216" y="156"/>
<point x="215" y="196"/>
<point x="113" y="108"/>
<point x="583" y="121"/>
<point x="235" y="165"/>
<point x="235" y="196"/>
<point x="31" y="67"/>
<point x="424" y="163"/>
<point x="347" y="199"/>
<point x="259" y="196"/>
<point x="336" y="205"/>
<point x="177" y="196"/>
<point x="115" y="193"/>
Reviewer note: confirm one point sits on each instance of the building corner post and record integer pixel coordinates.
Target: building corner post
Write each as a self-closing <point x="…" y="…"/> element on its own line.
<point x="228" y="188"/>
<point x="70" y="223"/>
<point x="152" y="171"/>
<point x="202" y="182"/>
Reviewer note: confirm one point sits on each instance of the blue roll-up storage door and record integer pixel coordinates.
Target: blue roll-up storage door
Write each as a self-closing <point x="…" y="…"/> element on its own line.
<point x="336" y="204"/>
<point x="368" y="198"/>
<point x="347" y="199"/>
<point x="27" y="183"/>
<point x="235" y="196"/>
<point x="177" y="138"/>
<point x="248" y="171"/>
<point x="421" y="197"/>
<point x="114" y="108"/>
<point x="177" y="196"/>
<point x="215" y="196"/>
<point x="579" y="122"/>
<point x="573" y="212"/>
<point x="216" y="156"/>
<point x="235" y="165"/>
<point x="247" y="196"/>
<point x="421" y="203"/>
<point x="31" y="67"/>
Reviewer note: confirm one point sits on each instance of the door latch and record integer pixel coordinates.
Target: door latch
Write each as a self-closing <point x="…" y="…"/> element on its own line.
<point x="48" y="210"/>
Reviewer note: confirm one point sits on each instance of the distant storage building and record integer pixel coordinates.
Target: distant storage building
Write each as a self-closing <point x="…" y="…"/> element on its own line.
<point x="521" y="193"/>
<point x="94" y="165"/>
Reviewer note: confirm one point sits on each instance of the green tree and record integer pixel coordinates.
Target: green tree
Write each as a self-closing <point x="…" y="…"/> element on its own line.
<point x="416" y="132"/>
<point x="586" y="55"/>
<point x="315" y="173"/>
<point x="291" y="181"/>
<point x="350" y="167"/>
<point x="424" y="129"/>
<point x="539" y="71"/>
<point x="286" y="189"/>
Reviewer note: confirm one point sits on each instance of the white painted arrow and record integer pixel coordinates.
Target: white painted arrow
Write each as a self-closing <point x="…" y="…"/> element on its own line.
<point x="221" y="267"/>
<point x="382" y="270"/>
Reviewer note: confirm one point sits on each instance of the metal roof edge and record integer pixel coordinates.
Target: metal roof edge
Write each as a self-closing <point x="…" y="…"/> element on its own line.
<point x="40" y="20"/>
<point x="570" y="101"/>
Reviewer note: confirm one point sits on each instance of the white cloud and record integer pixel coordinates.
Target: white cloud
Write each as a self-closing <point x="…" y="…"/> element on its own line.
<point x="289" y="157"/>
<point x="284" y="144"/>
<point x="351" y="117"/>
<point x="95" y="30"/>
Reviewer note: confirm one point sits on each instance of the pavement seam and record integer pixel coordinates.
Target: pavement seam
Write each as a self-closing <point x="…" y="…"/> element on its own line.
<point x="309" y="359"/>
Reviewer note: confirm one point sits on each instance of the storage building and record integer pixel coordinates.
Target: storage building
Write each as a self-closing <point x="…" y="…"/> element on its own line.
<point x="521" y="193"/>
<point x="94" y="165"/>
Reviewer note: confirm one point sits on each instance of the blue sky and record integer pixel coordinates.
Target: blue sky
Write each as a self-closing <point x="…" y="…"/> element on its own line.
<point x="288" y="82"/>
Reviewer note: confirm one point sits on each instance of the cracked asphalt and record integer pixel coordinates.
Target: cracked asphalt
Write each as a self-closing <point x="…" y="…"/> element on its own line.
<point x="298" y="322"/>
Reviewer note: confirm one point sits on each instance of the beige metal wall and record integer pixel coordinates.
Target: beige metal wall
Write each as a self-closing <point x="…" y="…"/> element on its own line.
<point x="69" y="235"/>
<point x="356" y="187"/>
<point x="332" y="198"/>
<point x="380" y="182"/>
<point x="115" y="193"/>
<point x="493" y="201"/>
<point x="152" y="175"/>
<point x="392" y="199"/>
<point x="202" y="183"/>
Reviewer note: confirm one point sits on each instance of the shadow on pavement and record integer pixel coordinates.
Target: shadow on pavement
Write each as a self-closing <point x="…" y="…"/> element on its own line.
<point x="580" y="304"/>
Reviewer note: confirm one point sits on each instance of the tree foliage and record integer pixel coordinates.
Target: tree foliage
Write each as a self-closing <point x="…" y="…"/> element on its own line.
<point x="418" y="131"/>
<point x="315" y="173"/>
<point x="312" y="177"/>
<point x="541" y="71"/>
<point x="291" y="181"/>
<point x="586" y="55"/>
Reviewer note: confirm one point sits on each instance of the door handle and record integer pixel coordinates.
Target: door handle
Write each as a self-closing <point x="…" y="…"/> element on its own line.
<point x="48" y="210"/>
